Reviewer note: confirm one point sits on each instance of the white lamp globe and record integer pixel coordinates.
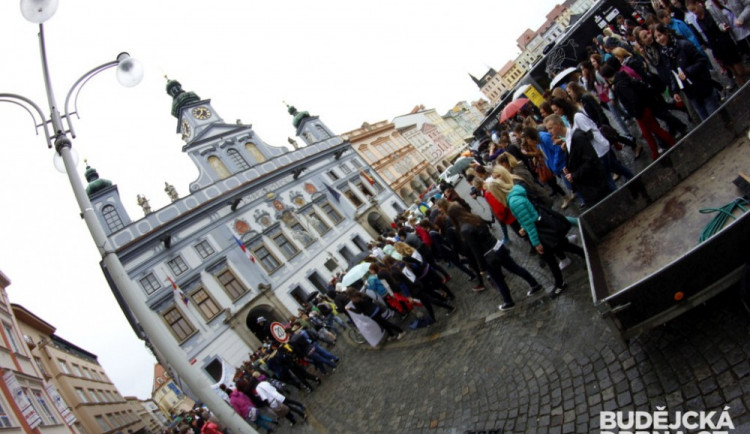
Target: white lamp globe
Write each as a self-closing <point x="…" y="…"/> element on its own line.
<point x="38" y="11"/>
<point x="129" y="70"/>
<point x="59" y="163"/>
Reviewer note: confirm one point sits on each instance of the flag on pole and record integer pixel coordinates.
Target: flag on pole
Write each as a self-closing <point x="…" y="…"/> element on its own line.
<point x="177" y="291"/>
<point x="367" y="177"/>
<point x="244" y="249"/>
<point x="336" y="195"/>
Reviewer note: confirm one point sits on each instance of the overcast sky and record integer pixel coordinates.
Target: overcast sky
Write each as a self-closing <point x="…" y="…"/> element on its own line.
<point x="346" y="61"/>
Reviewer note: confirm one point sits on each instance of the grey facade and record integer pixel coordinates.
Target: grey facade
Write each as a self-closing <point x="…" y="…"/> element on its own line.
<point x="301" y="214"/>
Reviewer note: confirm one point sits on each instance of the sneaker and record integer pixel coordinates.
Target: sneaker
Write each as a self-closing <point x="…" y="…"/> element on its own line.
<point x="566" y="201"/>
<point x="451" y="311"/>
<point x="507" y="306"/>
<point x="317" y="380"/>
<point x="400" y="335"/>
<point x="478" y="288"/>
<point x="558" y="290"/>
<point x="573" y="238"/>
<point x="564" y="263"/>
<point x="534" y="289"/>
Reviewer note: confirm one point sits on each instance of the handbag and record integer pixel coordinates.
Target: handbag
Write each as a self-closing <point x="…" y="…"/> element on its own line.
<point x="551" y="227"/>
<point x="279" y="408"/>
<point x="543" y="173"/>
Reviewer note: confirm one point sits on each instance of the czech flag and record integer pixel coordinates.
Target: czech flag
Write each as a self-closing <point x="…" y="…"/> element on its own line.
<point x="244" y="249"/>
<point x="177" y="291"/>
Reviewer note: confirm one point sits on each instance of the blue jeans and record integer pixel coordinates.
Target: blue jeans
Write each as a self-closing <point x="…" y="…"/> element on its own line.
<point x="706" y="106"/>
<point x="612" y="165"/>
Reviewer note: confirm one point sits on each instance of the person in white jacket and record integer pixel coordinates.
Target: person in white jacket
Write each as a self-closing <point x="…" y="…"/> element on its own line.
<point x="280" y="404"/>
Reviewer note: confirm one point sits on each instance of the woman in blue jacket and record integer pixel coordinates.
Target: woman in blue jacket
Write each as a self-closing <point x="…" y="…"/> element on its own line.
<point x="527" y="215"/>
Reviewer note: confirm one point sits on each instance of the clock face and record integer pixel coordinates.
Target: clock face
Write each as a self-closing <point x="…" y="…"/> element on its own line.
<point x="201" y="113"/>
<point x="186" y="132"/>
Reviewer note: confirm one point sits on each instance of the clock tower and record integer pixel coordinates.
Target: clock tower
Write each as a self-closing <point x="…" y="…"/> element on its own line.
<point x="193" y="114"/>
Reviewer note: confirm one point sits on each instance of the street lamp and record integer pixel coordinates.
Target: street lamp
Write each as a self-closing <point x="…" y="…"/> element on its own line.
<point x="129" y="73"/>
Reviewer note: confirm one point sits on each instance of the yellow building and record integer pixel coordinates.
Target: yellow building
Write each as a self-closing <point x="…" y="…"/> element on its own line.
<point x="28" y="403"/>
<point x="167" y="395"/>
<point x="394" y="158"/>
<point x="81" y="381"/>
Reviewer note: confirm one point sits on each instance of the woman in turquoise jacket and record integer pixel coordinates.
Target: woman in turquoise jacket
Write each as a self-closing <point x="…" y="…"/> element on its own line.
<point x="518" y="202"/>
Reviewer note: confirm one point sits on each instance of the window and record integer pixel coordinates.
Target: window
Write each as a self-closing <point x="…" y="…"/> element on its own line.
<point x="103" y="425"/>
<point x="318" y="282"/>
<point x="181" y="328"/>
<point x="353" y="198"/>
<point x="366" y="191"/>
<point x="346" y="253"/>
<point x="39" y="365"/>
<point x="255" y="152"/>
<point x="299" y="295"/>
<point x="317" y="223"/>
<point x="150" y="284"/>
<point x="333" y="175"/>
<point x="345" y="168"/>
<point x="331" y="264"/>
<point x="237" y="159"/>
<point x="177" y="265"/>
<point x="360" y="243"/>
<point x="214" y="370"/>
<point x="265" y="257"/>
<point x="42" y="403"/>
<point x="206" y="305"/>
<point x="112" y="218"/>
<point x="86" y="373"/>
<point x="218" y="167"/>
<point x="322" y="132"/>
<point x="112" y="420"/>
<point x="63" y="366"/>
<point x="232" y="286"/>
<point x="79" y="427"/>
<point x="282" y="242"/>
<point x="204" y="249"/>
<point x="95" y="375"/>
<point x="94" y="397"/>
<point x="356" y="163"/>
<point x="77" y="370"/>
<point x="4" y="419"/>
<point x="11" y="338"/>
<point x="301" y="235"/>
<point x="331" y="213"/>
<point x="82" y="395"/>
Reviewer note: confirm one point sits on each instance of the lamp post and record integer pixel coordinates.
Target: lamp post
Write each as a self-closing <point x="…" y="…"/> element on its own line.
<point x="129" y="73"/>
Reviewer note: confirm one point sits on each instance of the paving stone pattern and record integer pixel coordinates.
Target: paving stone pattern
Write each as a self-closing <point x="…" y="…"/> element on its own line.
<point x="548" y="366"/>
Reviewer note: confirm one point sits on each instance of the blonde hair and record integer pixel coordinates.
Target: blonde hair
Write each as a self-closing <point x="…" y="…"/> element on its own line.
<point x="558" y="92"/>
<point x="501" y="174"/>
<point x="507" y="157"/>
<point x="499" y="190"/>
<point x="403" y="249"/>
<point x="620" y="53"/>
<point x="477" y="183"/>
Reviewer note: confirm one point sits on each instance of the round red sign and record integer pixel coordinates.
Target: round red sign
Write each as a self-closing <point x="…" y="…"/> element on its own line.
<point x="278" y="332"/>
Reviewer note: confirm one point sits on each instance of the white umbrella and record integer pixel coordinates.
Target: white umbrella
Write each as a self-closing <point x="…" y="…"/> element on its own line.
<point x="355" y="273"/>
<point x="519" y="93"/>
<point x="560" y="76"/>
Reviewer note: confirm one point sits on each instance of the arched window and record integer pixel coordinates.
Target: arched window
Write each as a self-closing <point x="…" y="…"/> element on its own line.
<point x="237" y="159"/>
<point x="112" y="218"/>
<point x="255" y="152"/>
<point x="322" y="132"/>
<point x="218" y="167"/>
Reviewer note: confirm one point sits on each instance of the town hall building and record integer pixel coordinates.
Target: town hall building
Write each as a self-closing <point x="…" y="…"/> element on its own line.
<point x="262" y="228"/>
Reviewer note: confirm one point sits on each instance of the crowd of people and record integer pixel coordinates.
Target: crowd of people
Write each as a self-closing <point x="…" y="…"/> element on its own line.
<point x="666" y="57"/>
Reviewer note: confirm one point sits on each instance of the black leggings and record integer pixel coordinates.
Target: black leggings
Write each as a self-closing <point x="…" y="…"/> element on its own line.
<point x="389" y="327"/>
<point x="550" y="258"/>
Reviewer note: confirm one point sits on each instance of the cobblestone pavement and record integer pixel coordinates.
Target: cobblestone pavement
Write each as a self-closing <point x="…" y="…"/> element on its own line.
<point x="548" y="366"/>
